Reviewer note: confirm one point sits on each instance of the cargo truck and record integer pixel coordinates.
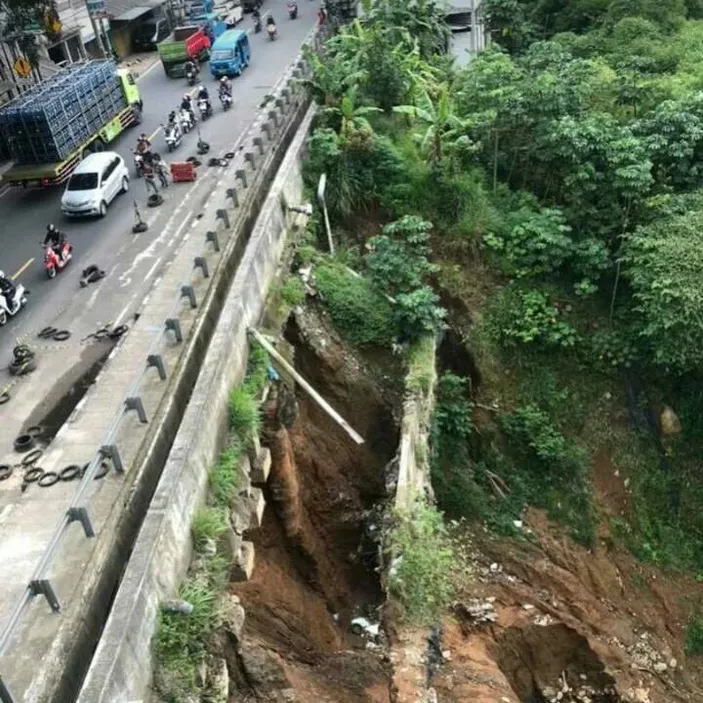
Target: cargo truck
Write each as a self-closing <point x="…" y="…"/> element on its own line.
<point x="190" y="43"/>
<point x="52" y="127"/>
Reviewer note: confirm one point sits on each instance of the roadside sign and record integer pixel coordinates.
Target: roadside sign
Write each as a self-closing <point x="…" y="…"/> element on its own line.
<point x="96" y="8"/>
<point x="22" y="67"/>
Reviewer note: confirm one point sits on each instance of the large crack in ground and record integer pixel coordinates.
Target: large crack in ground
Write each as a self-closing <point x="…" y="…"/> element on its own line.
<point x="314" y="564"/>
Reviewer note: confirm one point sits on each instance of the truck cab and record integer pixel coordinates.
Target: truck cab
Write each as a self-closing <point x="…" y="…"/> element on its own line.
<point x="149" y="33"/>
<point x="230" y="54"/>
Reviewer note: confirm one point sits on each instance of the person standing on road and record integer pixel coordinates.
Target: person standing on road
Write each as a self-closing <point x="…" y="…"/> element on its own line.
<point x="150" y="178"/>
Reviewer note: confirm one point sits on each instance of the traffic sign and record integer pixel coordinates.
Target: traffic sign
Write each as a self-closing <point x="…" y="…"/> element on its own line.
<point x="22" y="67"/>
<point x="96" y="8"/>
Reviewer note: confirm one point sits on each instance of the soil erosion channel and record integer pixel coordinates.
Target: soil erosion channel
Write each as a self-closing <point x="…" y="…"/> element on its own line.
<point x="315" y="559"/>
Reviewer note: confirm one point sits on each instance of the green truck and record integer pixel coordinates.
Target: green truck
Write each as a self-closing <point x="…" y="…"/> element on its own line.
<point x="190" y="43"/>
<point x="52" y="127"/>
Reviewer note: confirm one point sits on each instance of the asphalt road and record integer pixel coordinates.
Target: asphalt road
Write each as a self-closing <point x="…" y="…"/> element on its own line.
<point x="109" y="242"/>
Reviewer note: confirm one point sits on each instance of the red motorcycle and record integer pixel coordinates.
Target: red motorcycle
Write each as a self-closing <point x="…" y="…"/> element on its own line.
<point x="52" y="262"/>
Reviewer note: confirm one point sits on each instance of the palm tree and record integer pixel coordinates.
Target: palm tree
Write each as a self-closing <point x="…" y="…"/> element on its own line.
<point x="445" y="129"/>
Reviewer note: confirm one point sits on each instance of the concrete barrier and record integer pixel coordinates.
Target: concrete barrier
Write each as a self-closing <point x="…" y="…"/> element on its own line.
<point x="121" y="667"/>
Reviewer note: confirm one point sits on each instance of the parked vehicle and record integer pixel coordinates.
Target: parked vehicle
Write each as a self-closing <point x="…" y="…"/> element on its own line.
<point x="19" y="300"/>
<point x="149" y="33"/>
<point x="53" y="263"/>
<point x="185" y="44"/>
<point x="50" y="128"/>
<point x="95" y="183"/>
<point x="230" y="54"/>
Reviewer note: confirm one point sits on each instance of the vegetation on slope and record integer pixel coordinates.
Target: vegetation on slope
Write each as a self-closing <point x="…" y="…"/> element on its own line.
<point x="543" y="203"/>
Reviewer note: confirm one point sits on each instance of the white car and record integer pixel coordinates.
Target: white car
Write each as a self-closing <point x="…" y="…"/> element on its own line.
<point x="95" y="183"/>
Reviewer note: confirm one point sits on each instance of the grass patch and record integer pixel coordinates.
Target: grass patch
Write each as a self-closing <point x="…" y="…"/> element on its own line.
<point x="421" y="577"/>
<point x="244" y="413"/>
<point x="224" y="476"/>
<point x="208" y="524"/>
<point x="180" y="643"/>
<point x="421" y="365"/>
<point x="357" y="310"/>
<point x="694" y="636"/>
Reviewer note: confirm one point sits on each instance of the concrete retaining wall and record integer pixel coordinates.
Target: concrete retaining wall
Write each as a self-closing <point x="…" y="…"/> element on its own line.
<point x="121" y="668"/>
<point x="413" y="460"/>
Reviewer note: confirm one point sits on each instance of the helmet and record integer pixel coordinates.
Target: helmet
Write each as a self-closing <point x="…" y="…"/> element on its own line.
<point x="50" y="228"/>
<point x="186" y="96"/>
<point x="223" y="79"/>
<point x="2" y="274"/>
<point x="142" y="136"/>
<point x="201" y="88"/>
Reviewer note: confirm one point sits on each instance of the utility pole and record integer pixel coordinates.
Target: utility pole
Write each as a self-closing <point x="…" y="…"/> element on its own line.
<point x="95" y="8"/>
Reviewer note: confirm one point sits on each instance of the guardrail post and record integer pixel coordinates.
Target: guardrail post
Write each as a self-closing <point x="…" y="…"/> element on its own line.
<point x="281" y="105"/>
<point x="175" y="326"/>
<point x="266" y="127"/>
<point x="232" y="194"/>
<point x="222" y="215"/>
<point x="5" y="693"/>
<point x="157" y="362"/>
<point x="241" y="174"/>
<point x="81" y="515"/>
<point x="199" y="262"/>
<point x="212" y="236"/>
<point x="250" y="158"/>
<point x="43" y="587"/>
<point x="110" y="451"/>
<point x="188" y="292"/>
<point x="286" y="94"/>
<point x="273" y="116"/>
<point x="258" y="141"/>
<point x="135" y="403"/>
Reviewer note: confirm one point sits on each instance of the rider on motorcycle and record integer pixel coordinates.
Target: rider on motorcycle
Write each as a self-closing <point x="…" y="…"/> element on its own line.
<point x="225" y="86"/>
<point x="203" y="94"/>
<point x="55" y="238"/>
<point x="190" y="68"/>
<point x="187" y="106"/>
<point x="7" y="289"/>
<point x="256" y="16"/>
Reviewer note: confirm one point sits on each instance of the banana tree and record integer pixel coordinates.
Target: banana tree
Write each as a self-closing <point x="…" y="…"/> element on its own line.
<point x="352" y="117"/>
<point x="445" y="130"/>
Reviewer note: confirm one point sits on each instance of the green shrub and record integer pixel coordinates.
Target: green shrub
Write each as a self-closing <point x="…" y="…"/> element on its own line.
<point x="258" y="365"/>
<point x="358" y="311"/>
<point x="694" y="636"/>
<point x="418" y="313"/>
<point x="292" y="292"/>
<point x="208" y="524"/>
<point x="224" y="476"/>
<point x="534" y="242"/>
<point x="453" y="411"/>
<point x="421" y="577"/>
<point x="527" y="317"/>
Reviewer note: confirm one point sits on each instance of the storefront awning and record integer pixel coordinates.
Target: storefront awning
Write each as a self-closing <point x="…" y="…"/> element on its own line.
<point x="132" y="14"/>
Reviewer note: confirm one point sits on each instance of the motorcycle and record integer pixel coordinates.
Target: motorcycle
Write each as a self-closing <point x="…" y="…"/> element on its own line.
<point x="257" y="25"/>
<point x="271" y="29"/>
<point x="52" y="262"/>
<point x="172" y="135"/>
<point x="226" y="100"/>
<point x="191" y="76"/>
<point x="293" y="10"/>
<point x="187" y="120"/>
<point x="19" y="300"/>
<point x="205" y="108"/>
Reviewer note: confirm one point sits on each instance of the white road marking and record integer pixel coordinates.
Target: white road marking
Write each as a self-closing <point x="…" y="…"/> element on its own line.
<point x="150" y="273"/>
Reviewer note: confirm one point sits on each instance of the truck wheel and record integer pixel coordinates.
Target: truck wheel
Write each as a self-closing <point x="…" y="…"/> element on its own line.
<point x="97" y="146"/>
<point x="103" y="209"/>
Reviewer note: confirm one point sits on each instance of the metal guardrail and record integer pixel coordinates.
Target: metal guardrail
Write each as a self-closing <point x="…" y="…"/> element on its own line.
<point x="282" y="98"/>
